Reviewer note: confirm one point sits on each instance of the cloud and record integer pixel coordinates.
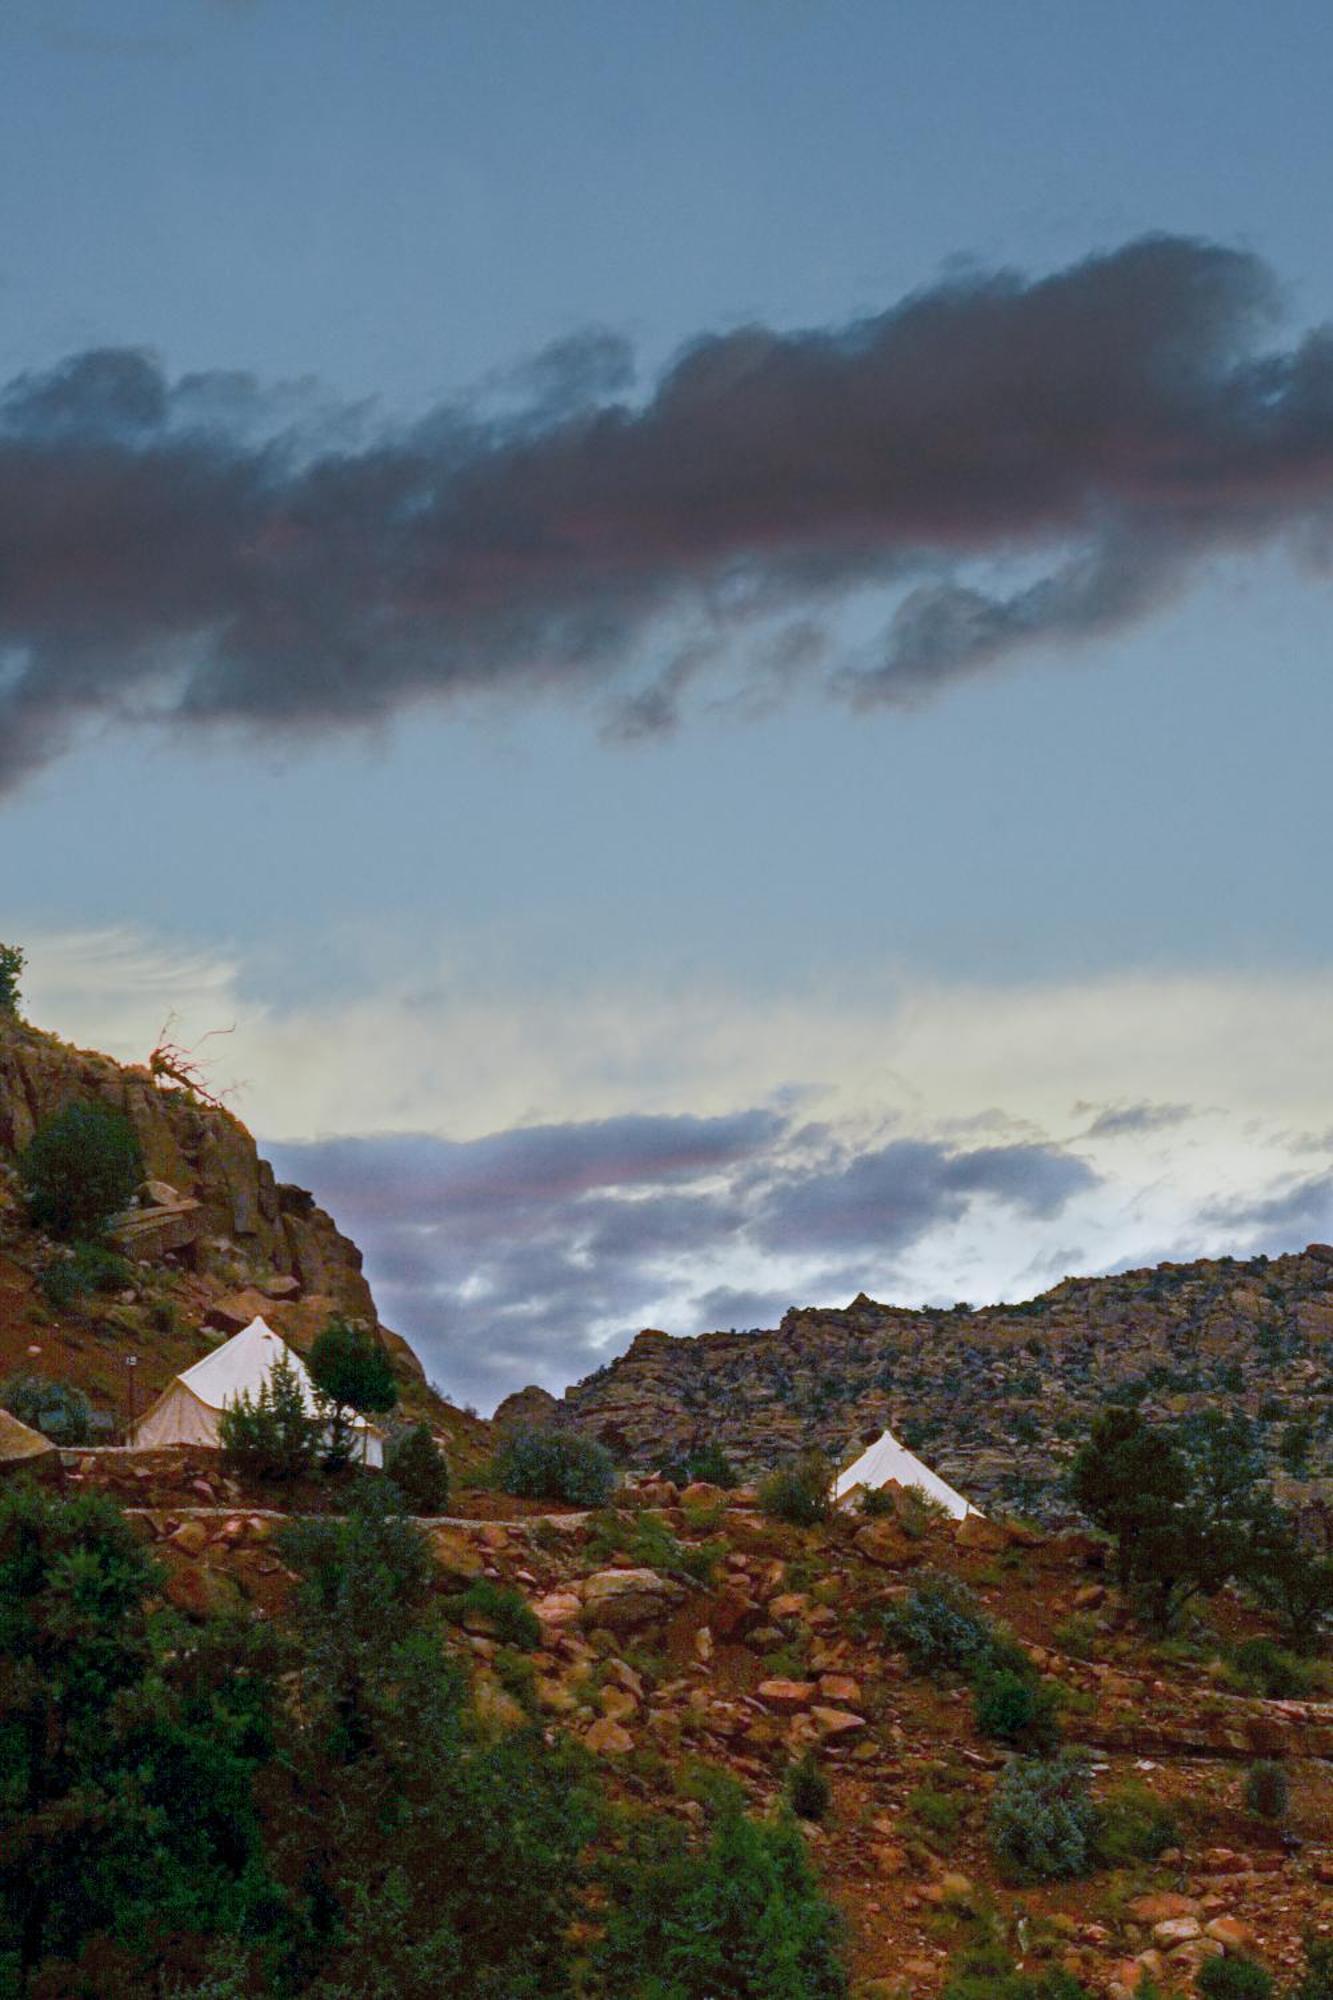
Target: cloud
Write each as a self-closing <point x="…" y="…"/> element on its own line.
<point x="1292" y="1213"/>
<point x="531" y="1254"/>
<point x="199" y="553"/>
<point x="1117" y="1121"/>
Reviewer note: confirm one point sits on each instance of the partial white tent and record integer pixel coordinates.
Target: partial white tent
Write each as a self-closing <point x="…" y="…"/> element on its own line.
<point x="19" y="1444"/>
<point x="188" y="1409"/>
<point x="886" y="1459"/>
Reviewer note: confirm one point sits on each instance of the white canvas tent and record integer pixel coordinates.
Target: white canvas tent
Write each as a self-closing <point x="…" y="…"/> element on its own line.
<point x="188" y="1409"/>
<point x="886" y="1459"/>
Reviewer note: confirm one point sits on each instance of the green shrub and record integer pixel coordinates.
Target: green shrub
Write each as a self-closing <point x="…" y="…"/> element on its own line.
<point x="649" y="1543"/>
<point x="1077" y="1635"/>
<point x="271" y="1436"/>
<point x="556" y="1465"/>
<point x="986" y="1972"/>
<point x="419" y="1469"/>
<point x="1042" y="1818"/>
<point x="1316" y="1981"/>
<point x="1266" y="1668"/>
<point x="57" y="1409"/>
<point x="1132" y="1826"/>
<point x="940" y="1624"/>
<point x="91" y="1268"/>
<point x="939" y="1812"/>
<point x="79" y="1169"/>
<point x="707" y="1463"/>
<point x="876" y="1502"/>
<point x="1234" y="1977"/>
<point x="1015" y="1708"/>
<point x="808" y="1790"/>
<point x="1267" y="1792"/>
<point x="800" y="1493"/>
<point x="744" y="1918"/>
<point x="918" y="1510"/>
<point x="506" y="1611"/>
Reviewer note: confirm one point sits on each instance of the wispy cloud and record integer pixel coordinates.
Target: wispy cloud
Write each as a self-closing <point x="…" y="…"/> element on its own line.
<point x="199" y="552"/>
<point x="1115" y="1121"/>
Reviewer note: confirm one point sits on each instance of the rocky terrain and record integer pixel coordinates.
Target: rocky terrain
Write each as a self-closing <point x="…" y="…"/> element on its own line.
<point x="213" y="1239"/>
<point x="684" y="1633"/>
<point x="996" y="1399"/>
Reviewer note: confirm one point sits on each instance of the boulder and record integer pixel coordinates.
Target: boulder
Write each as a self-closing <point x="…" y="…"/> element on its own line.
<point x="606" y="1738"/>
<point x="788" y="1696"/>
<point x="623" y="1600"/>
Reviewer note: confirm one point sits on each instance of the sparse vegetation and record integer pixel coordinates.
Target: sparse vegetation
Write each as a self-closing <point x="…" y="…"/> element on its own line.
<point x="1267" y="1790"/>
<point x="800" y="1493"/>
<point x="808" y="1790"/>
<point x="500" y="1611"/>
<point x="86" y="1269"/>
<point x="1132" y="1826"/>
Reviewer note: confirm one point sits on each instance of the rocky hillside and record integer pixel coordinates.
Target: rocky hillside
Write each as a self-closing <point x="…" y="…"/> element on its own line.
<point x="213" y="1239"/>
<point x="681" y="1635"/>
<point x="996" y="1399"/>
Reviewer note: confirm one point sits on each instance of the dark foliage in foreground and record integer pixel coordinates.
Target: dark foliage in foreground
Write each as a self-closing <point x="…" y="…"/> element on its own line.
<point x="313" y="1809"/>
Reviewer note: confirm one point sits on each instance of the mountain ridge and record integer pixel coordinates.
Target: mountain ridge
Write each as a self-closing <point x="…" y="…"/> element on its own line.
<point x="996" y="1397"/>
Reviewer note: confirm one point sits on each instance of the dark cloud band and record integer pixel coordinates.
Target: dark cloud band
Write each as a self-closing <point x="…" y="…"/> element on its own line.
<point x="200" y="552"/>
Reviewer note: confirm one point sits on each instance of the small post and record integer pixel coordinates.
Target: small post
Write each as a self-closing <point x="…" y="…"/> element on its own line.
<point x="131" y="1363"/>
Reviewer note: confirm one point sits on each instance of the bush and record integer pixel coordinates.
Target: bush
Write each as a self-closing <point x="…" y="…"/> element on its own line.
<point x="92" y="1268"/>
<point x="1132" y="1826"/>
<point x="808" y="1789"/>
<point x="57" y="1409"/>
<point x="507" y="1611"/>
<point x="419" y="1469"/>
<point x="940" y="1624"/>
<point x="800" y="1493"/>
<point x="1264" y="1667"/>
<point x="708" y="1463"/>
<point x="1234" y="1977"/>
<point x="1267" y="1792"/>
<point x="939" y="1812"/>
<point x="987" y="1972"/>
<point x="271" y="1435"/>
<point x="556" y="1465"/>
<point x="1015" y="1708"/>
<point x="650" y="1544"/>
<point x="79" y="1169"/>
<point x="875" y="1502"/>
<point x="743" y="1918"/>
<point x="1042" y="1818"/>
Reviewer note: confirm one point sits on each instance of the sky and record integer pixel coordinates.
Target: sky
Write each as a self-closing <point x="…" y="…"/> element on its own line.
<point x="702" y="630"/>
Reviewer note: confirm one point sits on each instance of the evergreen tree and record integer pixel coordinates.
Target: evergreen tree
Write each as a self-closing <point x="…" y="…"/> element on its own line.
<point x="79" y="1168"/>
<point x="353" y="1372"/>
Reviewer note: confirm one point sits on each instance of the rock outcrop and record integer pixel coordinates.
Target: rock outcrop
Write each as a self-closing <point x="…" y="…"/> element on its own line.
<point x="997" y="1399"/>
<point x="210" y="1202"/>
